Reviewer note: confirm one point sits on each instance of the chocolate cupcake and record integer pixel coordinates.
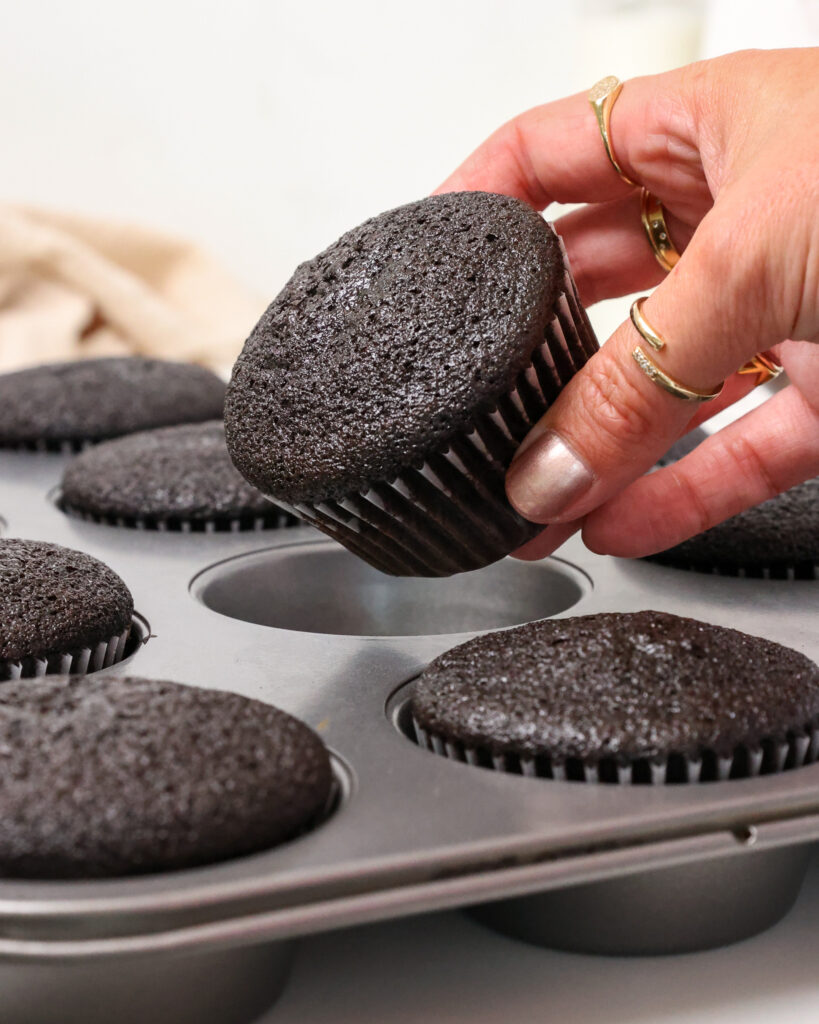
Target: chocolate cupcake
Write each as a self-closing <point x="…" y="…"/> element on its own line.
<point x="176" y="478"/>
<point x="60" y="611"/>
<point x="637" y="697"/>
<point x="778" y="539"/>
<point x="66" y="406"/>
<point x="385" y="390"/>
<point x="118" y="776"/>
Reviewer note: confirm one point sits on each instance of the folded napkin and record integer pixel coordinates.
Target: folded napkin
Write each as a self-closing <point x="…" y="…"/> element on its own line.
<point x="73" y="287"/>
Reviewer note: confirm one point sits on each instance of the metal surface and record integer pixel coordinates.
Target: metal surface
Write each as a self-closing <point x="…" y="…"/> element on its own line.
<point x="229" y="987"/>
<point x="678" y="909"/>
<point x="321" y="589"/>
<point x="414" y="831"/>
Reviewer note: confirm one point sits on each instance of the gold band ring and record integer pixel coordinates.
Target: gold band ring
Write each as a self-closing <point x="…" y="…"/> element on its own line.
<point x="763" y="366"/>
<point x="650" y="368"/>
<point x="657" y="341"/>
<point x="602" y="96"/>
<point x="653" y="217"/>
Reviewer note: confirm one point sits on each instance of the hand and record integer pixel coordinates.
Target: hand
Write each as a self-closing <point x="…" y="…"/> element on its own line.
<point x="731" y="148"/>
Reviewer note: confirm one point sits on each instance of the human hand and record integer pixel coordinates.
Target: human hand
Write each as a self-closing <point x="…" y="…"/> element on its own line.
<point x="731" y="149"/>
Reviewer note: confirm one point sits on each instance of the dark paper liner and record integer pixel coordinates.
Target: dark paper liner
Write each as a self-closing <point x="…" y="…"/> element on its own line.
<point x="804" y="570"/>
<point x="276" y="519"/>
<point x="770" y="756"/>
<point x="62" y="447"/>
<point x="78" y="662"/>
<point x="449" y="514"/>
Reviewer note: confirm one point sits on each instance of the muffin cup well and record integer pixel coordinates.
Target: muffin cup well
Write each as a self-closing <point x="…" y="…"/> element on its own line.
<point x="276" y="519"/>
<point x="450" y="514"/>
<point x="78" y="662"/>
<point x="800" y="747"/>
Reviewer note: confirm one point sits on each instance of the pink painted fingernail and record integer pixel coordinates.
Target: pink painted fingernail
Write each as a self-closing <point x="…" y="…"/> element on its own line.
<point x="546" y="477"/>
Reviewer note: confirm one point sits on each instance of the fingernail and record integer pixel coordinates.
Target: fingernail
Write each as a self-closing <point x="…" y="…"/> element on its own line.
<point x="546" y="477"/>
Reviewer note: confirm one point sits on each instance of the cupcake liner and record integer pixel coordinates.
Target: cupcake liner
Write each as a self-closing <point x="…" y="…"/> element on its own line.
<point x="78" y="662"/>
<point x="43" y="445"/>
<point x="450" y="513"/>
<point x="804" y="570"/>
<point x="798" y="748"/>
<point x="276" y="519"/>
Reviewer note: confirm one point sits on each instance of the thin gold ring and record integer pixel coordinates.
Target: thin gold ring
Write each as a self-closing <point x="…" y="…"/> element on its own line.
<point x="657" y="341"/>
<point x="602" y="96"/>
<point x="653" y="217"/>
<point x="653" y="371"/>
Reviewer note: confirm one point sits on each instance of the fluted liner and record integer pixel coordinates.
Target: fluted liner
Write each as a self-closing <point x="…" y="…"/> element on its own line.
<point x="804" y="570"/>
<point x="799" y="747"/>
<point x="78" y="662"/>
<point x="275" y="519"/>
<point x="64" y="447"/>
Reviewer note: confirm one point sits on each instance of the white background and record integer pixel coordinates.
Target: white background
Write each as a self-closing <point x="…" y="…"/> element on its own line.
<point x="264" y="129"/>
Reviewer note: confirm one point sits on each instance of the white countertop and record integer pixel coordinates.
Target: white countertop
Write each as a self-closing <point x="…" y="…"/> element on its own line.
<point x="446" y="969"/>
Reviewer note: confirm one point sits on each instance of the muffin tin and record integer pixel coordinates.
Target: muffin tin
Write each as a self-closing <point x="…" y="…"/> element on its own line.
<point x="289" y="617"/>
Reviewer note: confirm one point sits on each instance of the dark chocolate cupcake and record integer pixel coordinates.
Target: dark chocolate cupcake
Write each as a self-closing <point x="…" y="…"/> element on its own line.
<point x="66" y="406"/>
<point x="778" y="539"/>
<point x="176" y="478"/>
<point x="118" y="776"/>
<point x="385" y="390"/>
<point x="60" y="611"/>
<point x="638" y="697"/>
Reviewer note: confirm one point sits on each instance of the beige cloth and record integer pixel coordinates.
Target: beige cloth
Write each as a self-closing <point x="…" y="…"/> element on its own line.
<point x="73" y="287"/>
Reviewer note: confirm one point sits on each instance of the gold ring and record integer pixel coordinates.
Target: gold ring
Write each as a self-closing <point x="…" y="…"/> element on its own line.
<point x="763" y="366"/>
<point x="650" y="368"/>
<point x="602" y="97"/>
<point x="657" y="341"/>
<point x="653" y="216"/>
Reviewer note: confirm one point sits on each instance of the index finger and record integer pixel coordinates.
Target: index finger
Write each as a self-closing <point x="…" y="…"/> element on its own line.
<point x="554" y="152"/>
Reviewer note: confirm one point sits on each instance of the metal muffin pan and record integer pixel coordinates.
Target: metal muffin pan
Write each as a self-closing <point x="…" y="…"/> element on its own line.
<point x="288" y="617"/>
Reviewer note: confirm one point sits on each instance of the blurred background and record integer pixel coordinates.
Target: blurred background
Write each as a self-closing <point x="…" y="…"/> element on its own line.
<point x="263" y="130"/>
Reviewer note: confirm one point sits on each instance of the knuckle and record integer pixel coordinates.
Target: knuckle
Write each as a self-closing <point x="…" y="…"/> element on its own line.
<point x="614" y="406"/>
<point x="747" y="460"/>
<point x="699" y="518"/>
<point x="722" y="254"/>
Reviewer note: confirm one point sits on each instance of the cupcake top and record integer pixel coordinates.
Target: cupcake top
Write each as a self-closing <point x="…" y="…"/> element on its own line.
<point x="622" y="685"/>
<point x="175" y="473"/>
<point x="116" y="776"/>
<point x="388" y="343"/>
<point x="94" y="399"/>
<point x="55" y="600"/>
<point x="782" y="532"/>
